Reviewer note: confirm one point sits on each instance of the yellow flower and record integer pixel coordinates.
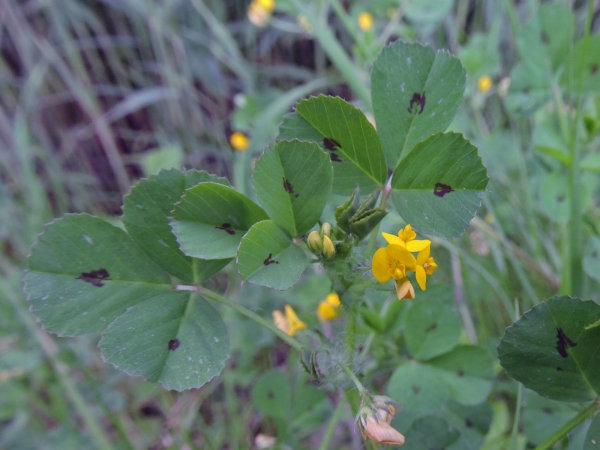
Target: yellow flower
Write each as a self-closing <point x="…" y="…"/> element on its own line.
<point x="329" y="308"/>
<point x="268" y="5"/>
<point x="406" y="238"/>
<point x="425" y="265"/>
<point x="392" y="262"/>
<point x="377" y="428"/>
<point x="484" y="83"/>
<point x="365" y="21"/>
<point x="239" y="141"/>
<point x="290" y="323"/>
<point x="259" y="12"/>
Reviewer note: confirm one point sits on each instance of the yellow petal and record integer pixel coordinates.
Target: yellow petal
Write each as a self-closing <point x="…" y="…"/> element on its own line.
<point x="417" y="246"/>
<point x="423" y="255"/>
<point x="401" y="254"/>
<point x="293" y="321"/>
<point x="333" y="299"/>
<point x="326" y="312"/>
<point x="280" y="321"/>
<point x="405" y="289"/>
<point x="391" y="239"/>
<point x="380" y="265"/>
<point x="421" y="277"/>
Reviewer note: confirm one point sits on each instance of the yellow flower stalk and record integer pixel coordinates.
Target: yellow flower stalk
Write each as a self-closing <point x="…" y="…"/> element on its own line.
<point x="239" y="141"/>
<point x="406" y="238"/>
<point x="365" y="21"/>
<point x="425" y="266"/>
<point x="329" y="308"/>
<point x="290" y="323"/>
<point x="484" y="83"/>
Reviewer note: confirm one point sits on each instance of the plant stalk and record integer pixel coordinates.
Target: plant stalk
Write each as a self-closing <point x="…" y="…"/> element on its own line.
<point x="569" y="426"/>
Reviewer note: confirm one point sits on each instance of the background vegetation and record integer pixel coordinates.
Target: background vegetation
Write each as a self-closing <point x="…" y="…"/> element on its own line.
<point x="95" y="95"/>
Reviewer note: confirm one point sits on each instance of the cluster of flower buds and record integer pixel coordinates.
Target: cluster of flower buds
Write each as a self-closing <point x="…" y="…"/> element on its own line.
<point x="319" y="242"/>
<point x="374" y="421"/>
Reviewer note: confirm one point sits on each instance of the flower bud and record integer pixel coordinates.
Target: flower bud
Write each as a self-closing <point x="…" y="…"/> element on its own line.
<point x="328" y="247"/>
<point x="314" y="242"/>
<point x="326" y="229"/>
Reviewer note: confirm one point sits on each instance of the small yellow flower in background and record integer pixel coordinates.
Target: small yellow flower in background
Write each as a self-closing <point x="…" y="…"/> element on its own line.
<point x="329" y="308"/>
<point x="365" y="21"/>
<point x="425" y="266"/>
<point x="239" y="141"/>
<point x="260" y="11"/>
<point x="290" y="323"/>
<point x="484" y="83"/>
<point x="268" y="5"/>
<point x="406" y="238"/>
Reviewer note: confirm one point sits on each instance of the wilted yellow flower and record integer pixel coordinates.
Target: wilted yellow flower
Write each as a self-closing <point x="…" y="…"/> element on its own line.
<point x="239" y="141"/>
<point x="290" y="323"/>
<point x="329" y="308"/>
<point x="405" y="289"/>
<point x="484" y="83"/>
<point x="406" y="238"/>
<point x="365" y="21"/>
<point x="377" y="428"/>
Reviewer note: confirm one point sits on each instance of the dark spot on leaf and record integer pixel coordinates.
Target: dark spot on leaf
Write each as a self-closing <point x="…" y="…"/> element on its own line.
<point x="331" y="144"/>
<point x="227" y="228"/>
<point x="594" y="69"/>
<point x="419" y="101"/>
<point x="174" y="344"/>
<point x="150" y="410"/>
<point x="442" y="189"/>
<point x="560" y="198"/>
<point x="334" y="157"/>
<point x="94" y="277"/>
<point x="297" y="195"/>
<point x="416" y="388"/>
<point x="288" y="186"/>
<point x="559" y="369"/>
<point x="548" y="410"/>
<point x="468" y="423"/>
<point x="545" y="38"/>
<point x="432" y="327"/>
<point x="268" y="261"/>
<point x="594" y="254"/>
<point x="460" y="373"/>
<point x="526" y="91"/>
<point x="270" y="394"/>
<point x="563" y="342"/>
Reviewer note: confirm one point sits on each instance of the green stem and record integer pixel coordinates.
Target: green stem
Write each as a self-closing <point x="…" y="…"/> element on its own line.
<point x="362" y="392"/>
<point x="570" y="425"/>
<point x="335" y="418"/>
<point x="385" y="196"/>
<point x="576" y="234"/>
<point x="97" y="433"/>
<point x="246" y="312"/>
